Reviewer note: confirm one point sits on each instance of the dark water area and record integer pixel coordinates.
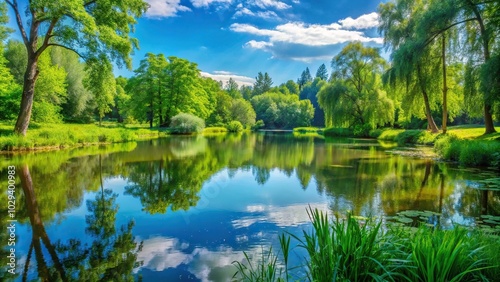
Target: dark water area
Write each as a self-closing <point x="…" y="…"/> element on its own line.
<point x="185" y="208"/>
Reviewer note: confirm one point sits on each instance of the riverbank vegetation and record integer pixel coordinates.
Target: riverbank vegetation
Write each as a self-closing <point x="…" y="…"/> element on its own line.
<point x="53" y="136"/>
<point x="442" y="71"/>
<point x="353" y="249"/>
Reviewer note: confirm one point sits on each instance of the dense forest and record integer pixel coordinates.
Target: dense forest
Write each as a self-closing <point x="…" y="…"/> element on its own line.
<point x="443" y="67"/>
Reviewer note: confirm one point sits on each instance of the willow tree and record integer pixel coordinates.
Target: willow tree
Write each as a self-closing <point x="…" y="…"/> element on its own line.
<point x="412" y="69"/>
<point x="93" y="29"/>
<point x="354" y="97"/>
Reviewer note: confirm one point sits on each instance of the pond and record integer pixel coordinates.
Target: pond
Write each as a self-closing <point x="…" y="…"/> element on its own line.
<point x="185" y="208"/>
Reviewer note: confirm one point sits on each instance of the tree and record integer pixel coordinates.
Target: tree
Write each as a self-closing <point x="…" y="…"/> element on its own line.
<point x="293" y="87"/>
<point x="241" y="110"/>
<point x="101" y="82"/>
<point x="149" y="89"/>
<point x="263" y="83"/>
<point x="310" y="92"/>
<point x="354" y="96"/>
<point x="50" y="91"/>
<point x="322" y="73"/>
<point x="304" y="78"/>
<point x="282" y="111"/>
<point x="232" y="88"/>
<point x="412" y="66"/>
<point x="97" y="30"/>
<point x="15" y="53"/>
<point x="78" y="104"/>
<point x="10" y="91"/>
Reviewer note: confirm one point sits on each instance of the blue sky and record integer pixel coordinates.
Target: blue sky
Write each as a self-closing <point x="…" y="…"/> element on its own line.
<point x="236" y="38"/>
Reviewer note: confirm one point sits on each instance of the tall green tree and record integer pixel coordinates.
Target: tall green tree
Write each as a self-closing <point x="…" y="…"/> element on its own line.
<point x="78" y="104"/>
<point x="304" y="78"/>
<point x="50" y="91"/>
<point x="96" y="30"/>
<point x="412" y="66"/>
<point x="149" y="89"/>
<point x="310" y="92"/>
<point x="355" y="97"/>
<point x="15" y="53"/>
<point x="101" y="82"/>
<point x="232" y="88"/>
<point x="322" y="72"/>
<point x="263" y="83"/>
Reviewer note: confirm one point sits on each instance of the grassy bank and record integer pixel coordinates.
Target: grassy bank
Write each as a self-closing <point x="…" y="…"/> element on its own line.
<point x="364" y="250"/>
<point x="53" y="136"/>
<point x="466" y="145"/>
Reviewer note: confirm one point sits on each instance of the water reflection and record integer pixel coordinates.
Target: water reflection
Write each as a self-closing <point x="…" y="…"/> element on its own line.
<point x="198" y="203"/>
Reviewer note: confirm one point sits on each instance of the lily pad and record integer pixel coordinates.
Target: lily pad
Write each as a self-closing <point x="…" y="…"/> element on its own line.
<point x="403" y="219"/>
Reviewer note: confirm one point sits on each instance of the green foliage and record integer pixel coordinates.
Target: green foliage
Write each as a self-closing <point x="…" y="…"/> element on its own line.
<point x="10" y="92"/>
<point x="234" y="126"/>
<point x="241" y="110"/>
<point x="265" y="269"/>
<point x="353" y="249"/>
<point x="186" y="124"/>
<point x="214" y="130"/>
<point x="258" y="125"/>
<point x="355" y="95"/>
<point x="468" y="152"/>
<point x="100" y="81"/>
<point x="277" y="110"/>
<point x="339" y="132"/>
<point x="263" y="83"/>
<point x="70" y="135"/>
<point x="416" y="137"/>
<point x="50" y="91"/>
<point x="322" y="73"/>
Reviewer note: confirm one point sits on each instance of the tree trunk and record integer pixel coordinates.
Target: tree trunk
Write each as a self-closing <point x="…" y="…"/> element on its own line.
<point x="30" y="76"/>
<point x="445" y="86"/>
<point x="430" y="121"/>
<point x="488" y="117"/>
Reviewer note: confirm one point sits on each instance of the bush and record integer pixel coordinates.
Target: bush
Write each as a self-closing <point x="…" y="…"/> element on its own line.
<point x="234" y="126"/>
<point x="258" y="125"/>
<point x="338" y="132"/>
<point x="186" y="124"/>
<point x="362" y="130"/>
<point x="215" y="129"/>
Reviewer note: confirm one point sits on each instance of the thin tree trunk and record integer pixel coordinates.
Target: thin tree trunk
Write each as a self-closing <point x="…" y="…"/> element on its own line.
<point x="445" y="86"/>
<point x="430" y="121"/>
<point x="30" y="76"/>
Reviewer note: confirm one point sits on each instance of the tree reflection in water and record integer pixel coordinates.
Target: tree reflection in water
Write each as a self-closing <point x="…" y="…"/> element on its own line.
<point x="111" y="256"/>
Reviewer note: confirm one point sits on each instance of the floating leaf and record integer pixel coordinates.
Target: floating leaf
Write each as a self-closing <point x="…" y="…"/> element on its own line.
<point x="404" y="219"/>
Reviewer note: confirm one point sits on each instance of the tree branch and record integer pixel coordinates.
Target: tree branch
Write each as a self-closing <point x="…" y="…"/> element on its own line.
<point x="19" y="21"/>
<point x="67" y="48"/>
<point x="438" y="32"/>
<point x="48" y="35"/>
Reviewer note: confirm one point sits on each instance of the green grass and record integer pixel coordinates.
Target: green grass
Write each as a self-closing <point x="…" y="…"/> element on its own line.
<point x="49" y="136"/>
<point x="214" y="130"/>
<point x="354" y="249"/>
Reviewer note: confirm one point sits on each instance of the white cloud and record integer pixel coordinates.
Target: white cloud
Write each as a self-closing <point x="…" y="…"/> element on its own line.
<point x="264" y="4"/>
<point x="164" y="8"/>
<point x="293" y="215"/>
<point x="206" y="3"/>
<point x="260" y="14"/>
<point x="362" y="22"/>
<point x="161" y="253"/>
<point x="306" y="34"/>
<point x="224" y="76"/>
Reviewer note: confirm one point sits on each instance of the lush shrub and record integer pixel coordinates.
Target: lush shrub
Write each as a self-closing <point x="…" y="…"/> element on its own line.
<point x="416" y="137"/>
<point x="234" y="126"/>
<point x="339" y="132"/>
<point x="468" y="152"/>
<point x="362" y="130"/>
<point x="186" y="124"/>
<point x="258" y="125"/>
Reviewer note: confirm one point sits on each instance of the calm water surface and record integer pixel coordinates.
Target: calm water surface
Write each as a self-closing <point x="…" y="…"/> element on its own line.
<point x="185" y="208"/>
